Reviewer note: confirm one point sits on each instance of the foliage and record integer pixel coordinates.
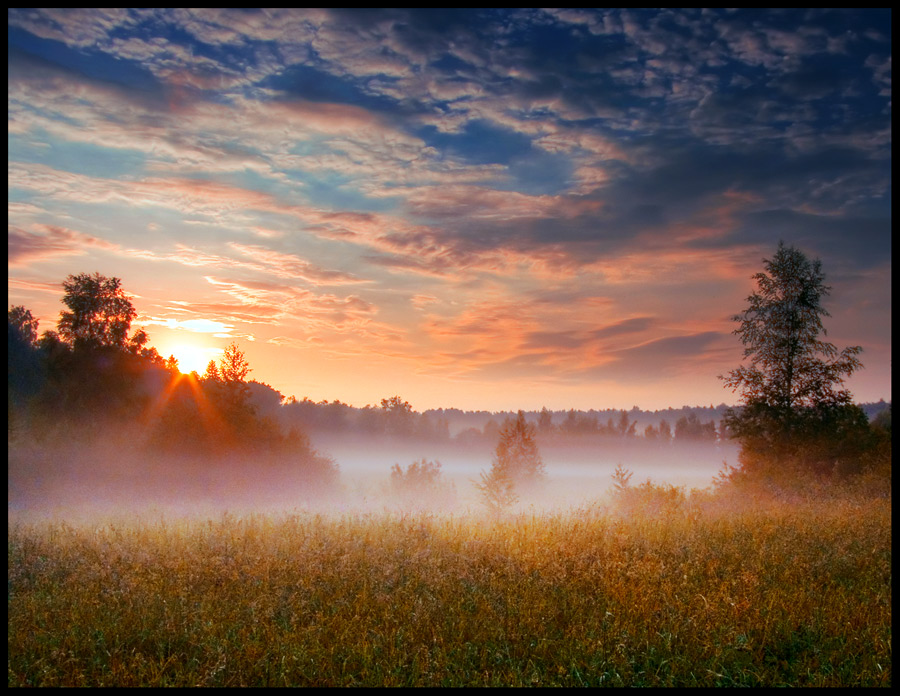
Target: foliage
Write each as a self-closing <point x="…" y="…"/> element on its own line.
<point x="398" y="416"/>
<point x="517" y="453"/>
<point x="689" y="427"/>
<point x="232" y="414"/>
<point x="882" y="421"/>
<point x="233" y="366"/>
<point x="789" y="388"/>
<point x="647" y="499"/>
<point x="22" y="324"/>
<point x="421" y="486"/>
<point x="25" y="370"/>
<point x="498" y="490"/>
<point x="100" y="314"/>
<point x="624" y="427"/>
<point x="760" y="595"/>
<point x="517" y="464"/>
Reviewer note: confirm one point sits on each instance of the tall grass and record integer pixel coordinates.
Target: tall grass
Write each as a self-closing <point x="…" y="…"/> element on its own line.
<point x="781" y="595"/>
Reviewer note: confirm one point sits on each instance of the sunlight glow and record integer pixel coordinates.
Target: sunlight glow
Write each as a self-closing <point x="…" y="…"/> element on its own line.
<point x="194" y="357"/>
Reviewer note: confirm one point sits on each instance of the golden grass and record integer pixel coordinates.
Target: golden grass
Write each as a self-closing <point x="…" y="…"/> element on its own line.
<point x="796" y="596"/>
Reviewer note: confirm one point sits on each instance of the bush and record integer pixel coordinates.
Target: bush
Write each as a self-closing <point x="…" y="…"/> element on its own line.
<point x="647" y="499"/>
<point x="421" y="486"/>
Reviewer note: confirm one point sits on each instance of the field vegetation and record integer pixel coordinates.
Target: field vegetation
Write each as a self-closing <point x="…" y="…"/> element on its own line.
<point x="657" y="589"/>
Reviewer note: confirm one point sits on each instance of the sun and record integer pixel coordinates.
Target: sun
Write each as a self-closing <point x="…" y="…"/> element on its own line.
<point x="193" y="358"/>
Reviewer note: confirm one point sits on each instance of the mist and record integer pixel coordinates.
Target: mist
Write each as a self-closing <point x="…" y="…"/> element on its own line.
<point x="107" y="476"/>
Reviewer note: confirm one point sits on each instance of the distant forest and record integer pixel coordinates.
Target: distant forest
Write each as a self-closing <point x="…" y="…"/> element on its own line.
<point x="395" y="417"/>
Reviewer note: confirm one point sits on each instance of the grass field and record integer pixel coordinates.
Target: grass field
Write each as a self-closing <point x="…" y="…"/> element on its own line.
<point x="794" y="595"/>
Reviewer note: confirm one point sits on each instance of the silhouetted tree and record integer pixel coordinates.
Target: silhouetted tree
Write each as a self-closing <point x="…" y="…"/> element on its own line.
<point x="24" y="374"/>
<point x="21" y="322"/>
<point x="229" y="393"/>
<point x="233" y="366"/>
<point x="789" y="386"/>
<point x="99" y="315"/>
<point x="91" y="371"/>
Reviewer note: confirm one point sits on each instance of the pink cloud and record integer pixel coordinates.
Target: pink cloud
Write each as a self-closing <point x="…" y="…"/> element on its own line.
<point x="45" y="242"/>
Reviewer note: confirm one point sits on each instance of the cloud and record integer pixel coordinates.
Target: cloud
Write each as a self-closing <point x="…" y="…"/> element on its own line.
<point x="45" y="242"/>
<point x="546" y="192"/>
<point x="663" y="359"/>
<point x="280" y="302"/>
<point x="73" y="26"/>
<point x="195" y="325"/>
<point x="291" y="266"/>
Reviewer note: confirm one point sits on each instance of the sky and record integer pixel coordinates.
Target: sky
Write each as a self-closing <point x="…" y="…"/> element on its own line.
<point x="490" y="210"/>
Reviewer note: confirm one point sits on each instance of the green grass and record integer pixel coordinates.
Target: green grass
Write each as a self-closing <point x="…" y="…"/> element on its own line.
<point x="791" y="595"/>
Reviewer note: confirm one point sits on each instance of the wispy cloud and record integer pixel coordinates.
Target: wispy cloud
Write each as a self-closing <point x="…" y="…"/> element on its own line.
<point x="43" y="242"/>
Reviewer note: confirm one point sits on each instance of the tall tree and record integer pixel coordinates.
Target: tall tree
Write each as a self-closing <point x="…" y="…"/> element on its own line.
<point x="228" y="390"/>
<point x="100" y="314"/>
<point x="233" y="366"/>
<point x="790" y="386"/>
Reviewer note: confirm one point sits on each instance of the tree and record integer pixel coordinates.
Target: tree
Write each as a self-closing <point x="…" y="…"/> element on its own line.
<point x="100" y="314"/>
<point x="689" y="427"/>
<point x="789" y="386"/>
<point x="517" y="451"/>
<point x="420" y="485"/>
<point x="498" y="491"/>
<point x="22" y="324"/>
<point x="516" y="463"/>
<point x="226" y="386"/>
<point x="24" y="366"/>
<point x="624" y="428"/>
<point x="665" y="431"/>
<point x="398" y="416"/>
<point x="212" y="373"/>
<point x="233" y="366"/>
<point x="545" y="421"/>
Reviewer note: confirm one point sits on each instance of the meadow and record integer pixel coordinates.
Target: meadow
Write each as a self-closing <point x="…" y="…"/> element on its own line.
<point x="709" y="593"/>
